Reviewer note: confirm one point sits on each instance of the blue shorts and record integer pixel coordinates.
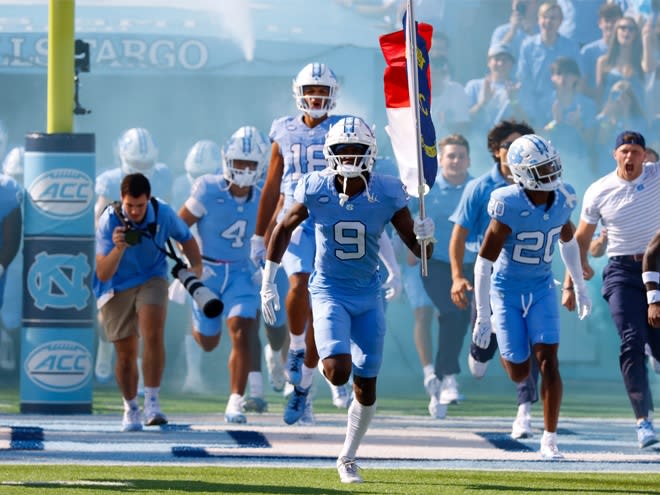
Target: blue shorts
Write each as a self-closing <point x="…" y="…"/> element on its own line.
<point x="353" y="325"/>
<point x="414" y="287"/>
<point x="299" y="256"/>
<point x="233" y="284"/>
<point x="515" y="330"/>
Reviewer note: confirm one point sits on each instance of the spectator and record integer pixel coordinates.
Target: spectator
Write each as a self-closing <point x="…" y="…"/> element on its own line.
<point x="522" y="23"/>
<point x="536" y="56"/>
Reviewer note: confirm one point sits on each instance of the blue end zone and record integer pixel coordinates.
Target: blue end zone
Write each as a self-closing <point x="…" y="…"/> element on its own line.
<point x="243" y="438"/>
<point x="27" y="438"/>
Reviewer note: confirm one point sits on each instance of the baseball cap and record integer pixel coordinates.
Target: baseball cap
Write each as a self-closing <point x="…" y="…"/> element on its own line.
<point x="499" y="49"/>
<point x="630" y="137"/>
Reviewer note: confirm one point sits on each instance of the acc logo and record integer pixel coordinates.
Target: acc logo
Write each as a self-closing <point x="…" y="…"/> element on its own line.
<point x="59" y="366"/>
<point x="62" y="193"/>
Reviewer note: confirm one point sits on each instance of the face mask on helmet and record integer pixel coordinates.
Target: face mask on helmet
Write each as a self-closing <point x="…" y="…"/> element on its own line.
<point x="534" y="163"/>
<point x="350" y="147"/>
<point x="137" y="151"/>
<point x="13" y="164"/>
<point x="315" y="74"/>
<point x="203" y="158"/>
<point x="247" y="144"/>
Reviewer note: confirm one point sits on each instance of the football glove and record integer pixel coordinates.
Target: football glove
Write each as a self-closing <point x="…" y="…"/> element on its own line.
<point x="481" y="333"/>
<point x="424" y="228"/>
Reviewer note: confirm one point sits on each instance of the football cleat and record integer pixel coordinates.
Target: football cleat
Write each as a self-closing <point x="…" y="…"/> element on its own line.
<point x="432" y="385"/>
<point x="234" y="410"/>
<point x="132" y="420"/>
<point x="646" y="434"/>
<point x="255" y="404"/>
<point x="153" y="416"/>
<point x="436" y="409"/>
<point x="549" y="450"/>
<point x="294" y="363"/>
<point x="348" y="470"/>
<point x="449" y="393"/>
<point x="522" y="427"/>
<point x="295" y="407"/>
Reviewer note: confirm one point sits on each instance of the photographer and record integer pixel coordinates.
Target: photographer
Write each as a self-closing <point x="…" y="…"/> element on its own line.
<point x="131" y="289"/>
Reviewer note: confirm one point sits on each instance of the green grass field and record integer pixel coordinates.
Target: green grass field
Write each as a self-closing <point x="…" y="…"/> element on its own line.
<point x="70" y="480"/>
<point x="581" y="400"/>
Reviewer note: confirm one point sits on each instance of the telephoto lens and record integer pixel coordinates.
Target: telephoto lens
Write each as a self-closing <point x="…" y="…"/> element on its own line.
<point x="202" y="295"/>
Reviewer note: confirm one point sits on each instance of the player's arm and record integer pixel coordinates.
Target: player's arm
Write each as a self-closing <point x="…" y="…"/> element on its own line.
<point x="271" y="191"/>
<point x="187" y="216"/>
<point x="496" y="235"/>
<point x="11" y="236"/>
<point x="576" y="294"/>
<point x="281" y="235"/>
<point x="459" y="284"/>
<point x="598" y="245"/>
<point x="279" y="240"/>
<point x="583" y="236"/>
<point x="651" y="279"/>
<point x="404" y="225"/>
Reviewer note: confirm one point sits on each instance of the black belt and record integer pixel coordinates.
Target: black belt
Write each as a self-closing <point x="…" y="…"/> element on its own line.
<point x="628" y="257"/>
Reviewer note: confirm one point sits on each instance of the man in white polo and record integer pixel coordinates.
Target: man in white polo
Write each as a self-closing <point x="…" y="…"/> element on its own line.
<point x="626" y="202"/>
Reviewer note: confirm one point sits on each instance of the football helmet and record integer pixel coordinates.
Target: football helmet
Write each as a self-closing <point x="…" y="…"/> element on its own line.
<point x="203" y="158"/>
<point x="137" y="151"/>
<point x="247" y="143"/>
<point x="355" y="132"/>
<point x="315" y="74"/>
<point x="534" y="163"/>
<point x="13" y="164"/>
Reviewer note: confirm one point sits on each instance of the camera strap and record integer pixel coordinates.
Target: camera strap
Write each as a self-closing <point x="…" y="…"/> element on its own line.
<point x="152" y="227"/>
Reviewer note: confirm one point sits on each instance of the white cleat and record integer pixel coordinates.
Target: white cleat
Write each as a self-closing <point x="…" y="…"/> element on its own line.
<point x="153" y="416"/>
<point x="132" y="420"/>
<point x="275" y="367"/>
<point x="437" y="410"/>
<point x="449" y="392"/>
<point x="522" y="427"/>
<point x="549" y="450"/>
<point x="477" y="368"/>
<point x="234" y="410"/>
<point x="348" y="470"/>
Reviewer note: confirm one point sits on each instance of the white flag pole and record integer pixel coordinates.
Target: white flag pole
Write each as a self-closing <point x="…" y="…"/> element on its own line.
<point x="413" y="93"/>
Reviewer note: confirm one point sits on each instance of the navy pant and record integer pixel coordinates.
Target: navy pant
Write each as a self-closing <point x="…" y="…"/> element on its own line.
<point x="625" y="294"/>
<point x="452" y="321"/>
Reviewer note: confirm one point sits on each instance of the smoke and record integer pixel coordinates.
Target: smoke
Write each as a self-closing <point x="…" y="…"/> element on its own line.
<point x="232" y="16"/>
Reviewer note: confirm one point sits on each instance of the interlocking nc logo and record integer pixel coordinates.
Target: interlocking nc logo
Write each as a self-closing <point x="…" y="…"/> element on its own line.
<point x="56" y="281"/>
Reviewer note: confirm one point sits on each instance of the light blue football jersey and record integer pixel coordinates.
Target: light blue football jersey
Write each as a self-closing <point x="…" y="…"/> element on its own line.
<point x="525" y="262"/>
<point x="225" y="229"/>
<point x="347" y="236"/>
<point x="108" y="183"/>
<point x="302" y="150"/>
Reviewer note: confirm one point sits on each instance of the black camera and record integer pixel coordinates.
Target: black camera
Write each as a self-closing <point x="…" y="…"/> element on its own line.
<point x="132" y="236"/>
<point x="205" y="299"/>
<point x="521" y="8"/>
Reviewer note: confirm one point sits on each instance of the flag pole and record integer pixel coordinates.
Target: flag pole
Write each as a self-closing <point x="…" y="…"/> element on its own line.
<point x="413" y="92"/>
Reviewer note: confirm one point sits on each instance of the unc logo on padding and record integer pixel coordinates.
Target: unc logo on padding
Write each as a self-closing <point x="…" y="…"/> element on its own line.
<point x="59" y="366"/>
<point x="62" y="193"/>
<point x="56" y="281"/>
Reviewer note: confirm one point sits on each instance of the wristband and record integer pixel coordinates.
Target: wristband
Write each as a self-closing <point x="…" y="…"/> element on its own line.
<point x="270" y="270"/>
<point x="651" y="277"/>
<point x="652" y="296"/>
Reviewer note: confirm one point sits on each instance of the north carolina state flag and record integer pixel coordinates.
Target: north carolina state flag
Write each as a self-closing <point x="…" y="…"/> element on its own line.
<point x="401" y="108"/>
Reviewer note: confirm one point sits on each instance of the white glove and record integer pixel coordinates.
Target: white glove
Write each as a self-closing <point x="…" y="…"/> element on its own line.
<point x="270" y="299"/>
<point x="424" y="228"/>
<point x="392" y="286"/>
<point x="257" y="250"/>
<point x="481" y="333"/>
<point x="583" y="301"/>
